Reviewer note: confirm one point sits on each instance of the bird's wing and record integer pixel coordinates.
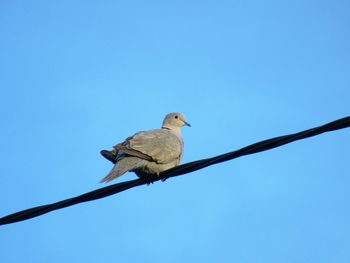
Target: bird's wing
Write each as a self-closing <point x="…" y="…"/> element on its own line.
<point x="159" y="145"/>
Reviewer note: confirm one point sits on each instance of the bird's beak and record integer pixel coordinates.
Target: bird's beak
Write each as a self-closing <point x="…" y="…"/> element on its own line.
<point x="187" y="124"/>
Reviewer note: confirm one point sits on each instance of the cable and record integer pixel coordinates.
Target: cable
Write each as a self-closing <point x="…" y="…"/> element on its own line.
<point x="179" y="170"/>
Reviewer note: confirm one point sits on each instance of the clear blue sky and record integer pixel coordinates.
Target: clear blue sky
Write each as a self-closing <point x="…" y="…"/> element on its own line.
<point x="79" y="76"/>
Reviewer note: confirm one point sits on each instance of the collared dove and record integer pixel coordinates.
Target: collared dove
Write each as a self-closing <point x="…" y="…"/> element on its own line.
<point x="149" y="152"/>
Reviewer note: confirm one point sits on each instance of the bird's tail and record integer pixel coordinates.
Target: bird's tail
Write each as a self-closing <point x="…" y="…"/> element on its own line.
<point x="121" y="167"/>
<point x="113" y="174"/>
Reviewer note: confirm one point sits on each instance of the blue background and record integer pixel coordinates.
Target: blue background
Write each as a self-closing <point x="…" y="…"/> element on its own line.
<point x="80" y="76"/>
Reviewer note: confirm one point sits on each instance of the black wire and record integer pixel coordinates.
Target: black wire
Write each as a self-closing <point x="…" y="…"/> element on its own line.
<point x="179" y="170"/>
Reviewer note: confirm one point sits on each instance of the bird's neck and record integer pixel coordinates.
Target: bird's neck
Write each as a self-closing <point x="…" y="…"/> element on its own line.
<point x="174" y="130"/>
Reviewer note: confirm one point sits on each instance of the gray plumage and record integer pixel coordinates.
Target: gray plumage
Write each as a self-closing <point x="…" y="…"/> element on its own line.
<point x="150" y="152"/>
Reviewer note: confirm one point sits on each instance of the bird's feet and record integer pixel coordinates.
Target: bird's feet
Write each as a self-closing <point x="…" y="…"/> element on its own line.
<point x="151" y="179"/>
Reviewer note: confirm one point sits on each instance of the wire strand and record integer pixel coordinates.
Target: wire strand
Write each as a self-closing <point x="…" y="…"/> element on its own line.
<point x="179" y="170"/>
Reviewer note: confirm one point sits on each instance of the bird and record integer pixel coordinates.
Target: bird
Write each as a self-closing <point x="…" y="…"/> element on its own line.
<point x="148" y="153"/>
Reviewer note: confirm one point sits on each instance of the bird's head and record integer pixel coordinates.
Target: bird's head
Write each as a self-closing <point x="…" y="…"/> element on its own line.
<point x="175" y="120"/>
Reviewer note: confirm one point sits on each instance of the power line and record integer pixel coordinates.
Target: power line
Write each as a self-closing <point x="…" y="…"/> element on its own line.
<point x="179" y="170"/>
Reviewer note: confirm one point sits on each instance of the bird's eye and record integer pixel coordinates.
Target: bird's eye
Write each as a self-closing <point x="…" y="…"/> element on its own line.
<point x="176" y="117"/>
